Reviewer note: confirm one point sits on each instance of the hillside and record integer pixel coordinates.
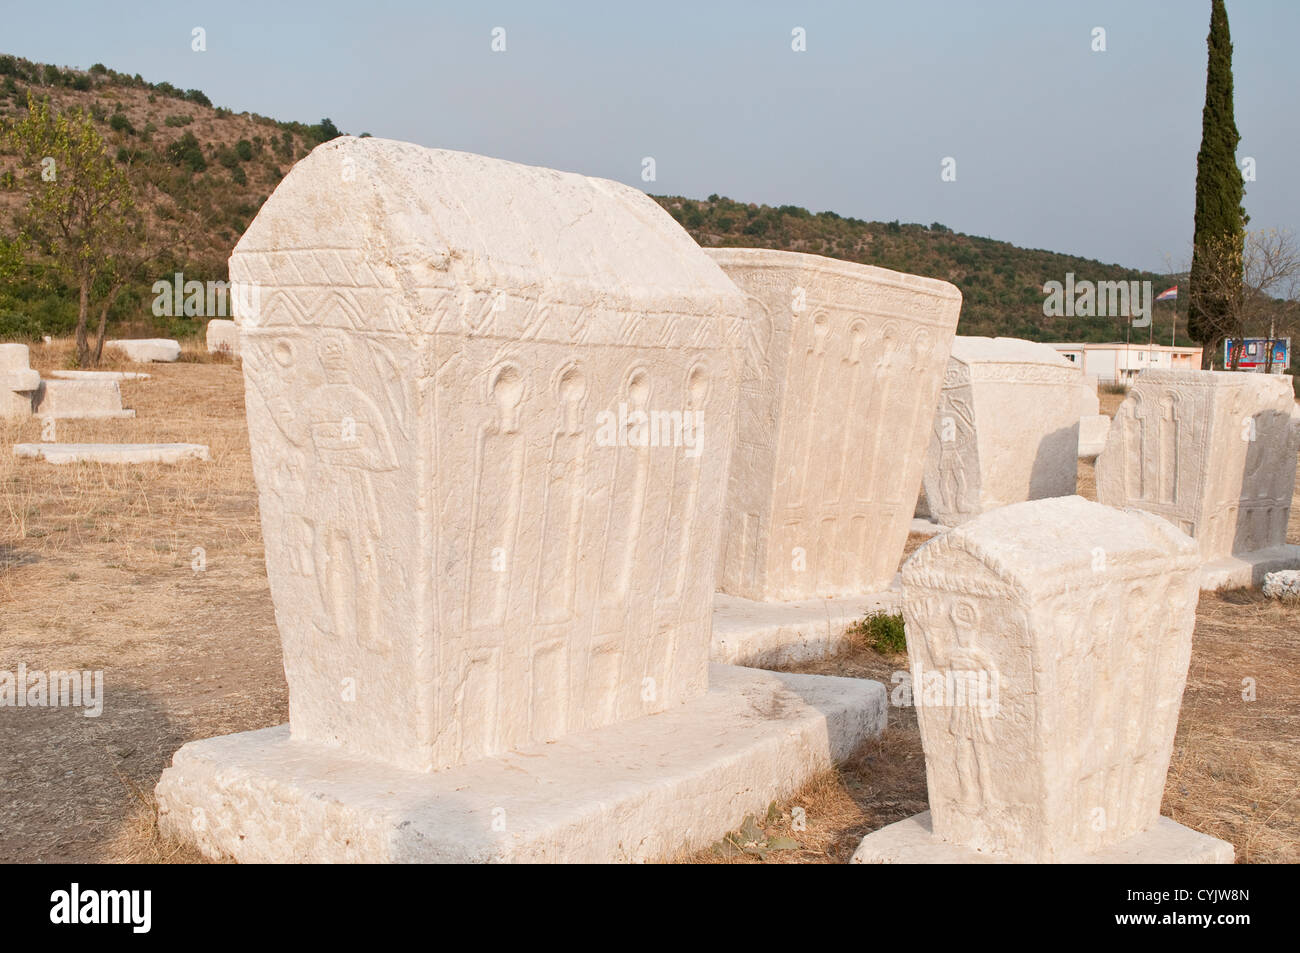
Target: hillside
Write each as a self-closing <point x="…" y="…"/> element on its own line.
<point x="219" y="167"/>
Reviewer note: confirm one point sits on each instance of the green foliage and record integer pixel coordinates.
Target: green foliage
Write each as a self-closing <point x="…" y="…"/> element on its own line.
<point x="1001" y="285"/>
<point x="1220" y="219"/>
<point x="187" y="153"/>
<point x="80" y="217"/>
<point x="119" y="123"/>
<point x="244" y="150"/>
<point x="176" y="120"/>
<point x="883" y="632"/>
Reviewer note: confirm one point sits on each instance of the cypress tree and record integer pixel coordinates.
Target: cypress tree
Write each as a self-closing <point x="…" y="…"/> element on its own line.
<point x="1220" y="218"/>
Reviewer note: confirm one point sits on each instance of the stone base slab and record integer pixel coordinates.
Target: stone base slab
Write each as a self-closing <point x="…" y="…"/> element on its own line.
<point x="768" y="634"/>
<point x="912" y="842"/>
<point x="112" y="452"/>
<point x="1242" y="570"/>
<point x="635" y="791"/>
<point x="99" y="375"/>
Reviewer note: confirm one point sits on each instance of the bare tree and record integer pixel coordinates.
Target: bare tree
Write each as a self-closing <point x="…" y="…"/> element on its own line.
<point x="1248" y="289"/>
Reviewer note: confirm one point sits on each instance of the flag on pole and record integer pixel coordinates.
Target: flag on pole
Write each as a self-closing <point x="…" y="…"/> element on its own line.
<point x="1168" y="295"/>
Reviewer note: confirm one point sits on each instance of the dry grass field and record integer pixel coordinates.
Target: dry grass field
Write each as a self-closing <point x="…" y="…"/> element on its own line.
<point x="97" y="571"/>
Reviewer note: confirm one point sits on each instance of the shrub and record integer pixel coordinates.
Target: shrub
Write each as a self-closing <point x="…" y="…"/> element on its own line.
<point x="187" y="152"/>
<point x="882" y="631"/>
<point x="176" y="120"/>
<point x="119" y="123"/>
<point x="244" y="149"/>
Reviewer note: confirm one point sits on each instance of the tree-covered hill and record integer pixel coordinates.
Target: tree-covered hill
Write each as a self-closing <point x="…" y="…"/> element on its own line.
<point x="216" y="168"/>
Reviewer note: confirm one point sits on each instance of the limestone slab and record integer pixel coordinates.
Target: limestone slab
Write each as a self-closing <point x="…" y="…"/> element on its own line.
<point x="912" y="841"/>
<point x="926" y="527"/>
<point x="1006" y="429"/>
<point x="144" y="350"/>
<point x="843" y="364"/>
<point x="18" y="382"/>
<point x="1247" y="570"/>
<point x="99" y="375"/>
<point x="1282" y="584"/>
<point x="127" y="453"/>
<point x="1093" y="429"/>
<point x="770" y="634"/>
<point x="1214" y="452"/>
<point x="222" y="337"/>
<point x="80" y="399"/>
<point x="634" y="791"/>
<point x="1049" y="644"/>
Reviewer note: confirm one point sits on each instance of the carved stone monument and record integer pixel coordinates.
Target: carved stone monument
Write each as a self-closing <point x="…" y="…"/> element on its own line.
<point x="1214" y="452"/>
<point x="843" y="364"/>
<point x="1006" y="430"/>
<point x="80" y="399"/>
<point x="18" y="382"/>
<point x="1049" y="645"/>
<point x="222" y="337"/>
<point x="489" y="409"/>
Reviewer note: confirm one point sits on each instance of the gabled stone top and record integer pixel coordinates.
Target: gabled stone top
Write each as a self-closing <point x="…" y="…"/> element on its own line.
<point x="1043" y="547"/>
<point x="1199" y="378"/>
<point x="448" y="228"/>
<point x="982" y="350"/>
<point x="775" y="258"/>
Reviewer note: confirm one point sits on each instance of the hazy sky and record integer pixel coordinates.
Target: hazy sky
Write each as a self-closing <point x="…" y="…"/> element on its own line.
<point x="1056" y="146"/>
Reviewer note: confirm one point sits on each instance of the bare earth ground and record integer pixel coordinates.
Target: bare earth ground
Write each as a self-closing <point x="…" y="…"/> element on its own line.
<point x="97" y="572"/>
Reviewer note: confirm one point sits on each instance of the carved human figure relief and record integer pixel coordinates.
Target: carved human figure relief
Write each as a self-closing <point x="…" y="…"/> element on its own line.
<point x="423" y="383"/>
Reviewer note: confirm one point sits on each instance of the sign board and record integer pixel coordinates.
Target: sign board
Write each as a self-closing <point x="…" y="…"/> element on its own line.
<point x="1254" y="354"/>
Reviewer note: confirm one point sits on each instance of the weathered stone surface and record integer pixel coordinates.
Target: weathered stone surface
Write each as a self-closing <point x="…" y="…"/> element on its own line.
<point x="912" y="841"/>
<point x="479" y="541"/>
<point x="634" y="791"/>
<point x="1093" y="429"/>
<point x="143" y="350"/>
<point x="112" y="452"/>
<point x="99" y="375"/>
<point x="18" y="382"/>
<point x="80" y="399"/>
<point x="1049" y="644"/>
<point x="443" y="381"/>
<point x="1214" y="452"/>
<point x="1243" y="570"/>
<point x="1284" y="585"/>
<point x="772" y="634"/>
<point x="843" y="364"/>
<point x="222" y="337"/>
<point x="1090" y="399"/>
<point x="1006" y="429"/>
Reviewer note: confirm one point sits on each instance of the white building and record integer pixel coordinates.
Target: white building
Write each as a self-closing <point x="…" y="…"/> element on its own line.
<point x="1120" y="361"/>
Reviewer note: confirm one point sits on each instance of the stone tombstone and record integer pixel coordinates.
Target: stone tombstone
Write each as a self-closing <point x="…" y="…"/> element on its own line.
<point x="843" y="364"/>
<point x="1214" y="452"/>
<point x="1006" y="429"/>
<point x="1049" y="645"/>
<point x="144" y="350"/>
<point x="18" y="382"/>
<point x="488" y="407"/>
<point x="222" y="337"/>
<point x="87" y="398"/>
